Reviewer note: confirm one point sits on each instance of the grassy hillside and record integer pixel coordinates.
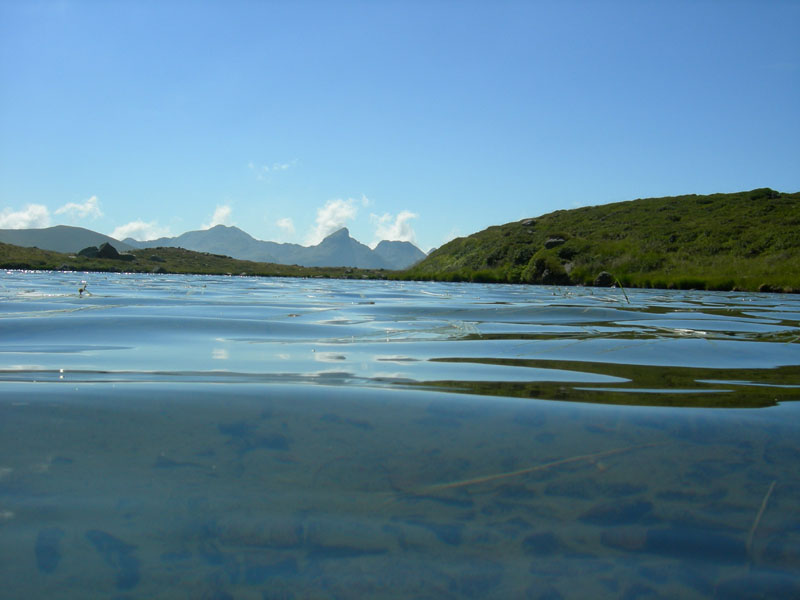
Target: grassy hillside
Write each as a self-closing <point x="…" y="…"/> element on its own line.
<point x="168" y="260"/>
<point x="747" y="241"/>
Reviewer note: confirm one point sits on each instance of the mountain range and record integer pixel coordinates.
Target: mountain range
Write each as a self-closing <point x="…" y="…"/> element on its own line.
<point x="336" y="250"/>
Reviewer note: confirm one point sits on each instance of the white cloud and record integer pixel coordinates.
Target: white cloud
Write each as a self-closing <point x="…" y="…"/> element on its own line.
<point x="286" y="224"/>
<point x="90" y="208"/>
<point x="139" y="230"/>
<point x="262" y="171"/>
<point x="331" y="217"/>
<point x="33" y="216"/>
<point x="222" y="216"/>
<point x="396" y="228"/>
<point x="282" y="166"/>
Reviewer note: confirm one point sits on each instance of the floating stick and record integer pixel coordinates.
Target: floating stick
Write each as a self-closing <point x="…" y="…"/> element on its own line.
<point x="749" y="544"/>
<point x="555" y="463"/>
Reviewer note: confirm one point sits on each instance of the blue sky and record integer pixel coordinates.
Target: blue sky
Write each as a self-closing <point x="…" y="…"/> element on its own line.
<point x="398" y="119"/>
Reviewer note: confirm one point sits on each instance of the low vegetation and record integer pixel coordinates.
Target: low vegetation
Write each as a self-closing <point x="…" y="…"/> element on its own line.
<point x="743" y="241"/>
<point x="168" y="260"/>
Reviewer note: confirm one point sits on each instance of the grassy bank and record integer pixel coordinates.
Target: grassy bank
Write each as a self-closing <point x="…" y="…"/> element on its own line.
<point x="745" y="241"/>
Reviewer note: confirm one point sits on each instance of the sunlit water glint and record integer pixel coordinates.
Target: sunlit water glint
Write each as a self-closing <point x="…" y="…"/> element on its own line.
<point x="212" y="437"/>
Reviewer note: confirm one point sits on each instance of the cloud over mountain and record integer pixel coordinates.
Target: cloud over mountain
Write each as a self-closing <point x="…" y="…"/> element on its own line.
<point x="37" y="216"/>
<point x="332" y="217"/>
<point x="221" y="216"/>
<point x="388" y="227"/>
<point x="32" y="216"/>
<point x="286" y="224"/>
<point x="90" y="208"/>
<point x="140" y="230"/>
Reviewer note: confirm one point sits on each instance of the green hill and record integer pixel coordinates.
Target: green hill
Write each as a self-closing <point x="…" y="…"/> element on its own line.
<point x="746" y="241"/>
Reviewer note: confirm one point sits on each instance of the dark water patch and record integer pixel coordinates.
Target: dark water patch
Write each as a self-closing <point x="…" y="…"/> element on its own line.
<point x="640" y="591"/>
<point x="210" y="552"/>
<point x="164" y="462"/>
<point x="758" y="585"/>
<point x="783" y="551"/>
<point x="257" y="572"/>
<point x="449" y="501"/>
<point x="617" y="513"/>
<point x="512" y="528"/>
<point x="782" y="452"/>
<point x="622" y="489"/>
<point x="477" y="579"/>
<point x="512" y="491"/>
<point x="545" y="438"/>
<point x="322" y="552"/>
<point x="218" y="595"/>
<point x="456" y="411"/>
<point x="543" y="592"/>
<point x="48" y="549"/>
<point x="692" y="495"/>
<point x="238" y="531"/>
<point x="176" y="557"/>
<point x="697" y="518"/>
<point x="725" y="509"/>
<point x="117" y="554"/>
<point x="269" y="441"/>
<point x="710" y="470"/>
<point x="532" y="419"/>
<point x="696" y="545"/>
<point x="542" y="544"/>
<point x="449" y="533"/>
<point x="697" y="577"/>
<point x="278" y="591"/>
<point x="245" y="436"/>
<point x="500" y="508"/>
<point x="690" y="544"/>
<point x="582" y="489"/>
<point x="238" y="429"/>
<point x="438" y="421"/>
<point x="587" y="489"/>
<point x="337" y="419"/>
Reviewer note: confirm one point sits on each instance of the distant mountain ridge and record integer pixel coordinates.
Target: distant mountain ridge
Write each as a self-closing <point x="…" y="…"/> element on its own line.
<point x="336" y="250"/>
<point x="61" y="238"/>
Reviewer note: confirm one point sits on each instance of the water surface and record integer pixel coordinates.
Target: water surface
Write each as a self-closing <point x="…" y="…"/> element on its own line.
<point x="218" y="437"/>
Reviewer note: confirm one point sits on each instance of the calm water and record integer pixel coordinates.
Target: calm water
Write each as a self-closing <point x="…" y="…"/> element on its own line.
<point x="211" y="437"/>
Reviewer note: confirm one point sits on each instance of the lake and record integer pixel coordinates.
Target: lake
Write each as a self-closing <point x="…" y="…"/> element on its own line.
<point x="222" y="437"/>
